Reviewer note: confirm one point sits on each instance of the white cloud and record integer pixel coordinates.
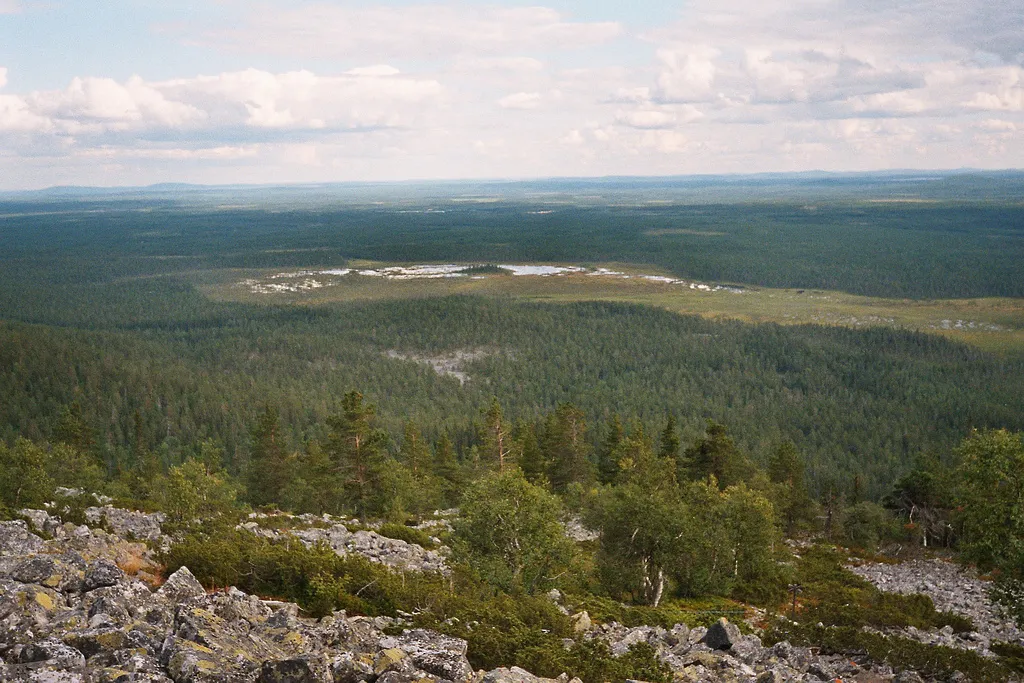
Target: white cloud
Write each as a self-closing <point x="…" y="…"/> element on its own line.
<point x="521" y="100"/>
<point x="998" y="125"/>
<point x="3" y="76"/>
<point x="686" y="75"/>
<point x="10" y="6"/>
<point x="418" y="31"/>
<point x="230" y="104"/>
<point x="647" y="119"/>
<point x="223" y="153"/>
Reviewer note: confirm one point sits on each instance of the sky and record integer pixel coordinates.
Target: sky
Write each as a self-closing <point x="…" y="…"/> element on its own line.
<point x="134" y="92"/>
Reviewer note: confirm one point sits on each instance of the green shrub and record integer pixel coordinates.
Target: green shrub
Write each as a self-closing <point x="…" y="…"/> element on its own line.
<point x="901" y="653"/>
<point x="835" y="596"/>
<point x="407" y="534"/>
<point x="690" y="612"/>
<point x="501" y="629"/>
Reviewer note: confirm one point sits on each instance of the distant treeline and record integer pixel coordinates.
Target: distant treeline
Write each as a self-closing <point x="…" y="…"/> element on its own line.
<point x="934" y="249"/>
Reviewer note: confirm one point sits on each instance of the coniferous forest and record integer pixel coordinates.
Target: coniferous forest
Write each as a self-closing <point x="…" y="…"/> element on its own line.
<point x="692" y="445"/>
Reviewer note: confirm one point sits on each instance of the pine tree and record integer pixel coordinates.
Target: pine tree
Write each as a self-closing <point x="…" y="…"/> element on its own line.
<point x="607" y="465"/>
<point x="267" y="474"/>
<point x="792" y="501"/>
<point x="715" y="454"/>
<point x="531" y="458"/>
<point x="495" y="441"/>
<point x="356" y="450"/>
<point x="566" y="448"/>
<point x="669" y="447"/>
<point x="448" y="470"/>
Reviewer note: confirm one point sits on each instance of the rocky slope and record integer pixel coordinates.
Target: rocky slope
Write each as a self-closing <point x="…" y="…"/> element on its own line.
<point x="84" y="606"/>
<point x="953" y="589"/>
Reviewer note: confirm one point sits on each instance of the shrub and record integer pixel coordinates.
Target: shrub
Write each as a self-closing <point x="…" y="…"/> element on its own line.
<point x="407" y="534"/>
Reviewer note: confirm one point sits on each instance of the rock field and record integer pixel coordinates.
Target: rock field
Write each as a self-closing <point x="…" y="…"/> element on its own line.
<point x="83" y="607"/>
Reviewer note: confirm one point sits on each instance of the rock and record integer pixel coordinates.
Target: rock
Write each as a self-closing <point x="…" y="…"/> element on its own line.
<point x="679" y="635"/>
<point x="102" y="574"/>
<point x="437" y="654"/>
<point x="352" y="668"/>
<point x="181" y="586"/>
<point x="129" y="524"/>
<point x="721" y="635"/>
<point x="513" y="675"/>
<point x="17" y="540"/>
<point x="53" y="652"/>
<point x="581" y="622"/>
<point x="40" y="569"/>
<point x="393" y="659"/>
<point x="952" y="589"/>
<point x="306" y="669"/>
<point x="94" y="641"/>
<point x="773" y="675"/>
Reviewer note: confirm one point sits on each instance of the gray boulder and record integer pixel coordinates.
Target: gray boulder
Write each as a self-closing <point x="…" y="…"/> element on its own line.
<point x="181" y="586"/>
<point x="17" y="540"/>
<point x="305" y="669"/>
<point x="437" y="654"/>
<point x="102" y="574"/>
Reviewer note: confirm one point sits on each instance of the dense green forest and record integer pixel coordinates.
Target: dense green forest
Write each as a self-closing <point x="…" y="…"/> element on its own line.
<point x="859" y="403"/>
<point x="101" y="300"/>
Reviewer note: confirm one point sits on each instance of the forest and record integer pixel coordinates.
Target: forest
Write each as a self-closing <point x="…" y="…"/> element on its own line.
<point x="120" y="374"/>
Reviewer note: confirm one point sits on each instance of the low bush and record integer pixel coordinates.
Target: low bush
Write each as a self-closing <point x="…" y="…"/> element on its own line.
<point x="835" y="596"/>
<point x="501" y="629"/>
<point x="407" y="534"/>
<point x="900" y="653"/>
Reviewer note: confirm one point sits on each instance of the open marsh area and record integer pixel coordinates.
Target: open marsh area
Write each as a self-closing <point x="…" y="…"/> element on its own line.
<point x="993" y="324"/>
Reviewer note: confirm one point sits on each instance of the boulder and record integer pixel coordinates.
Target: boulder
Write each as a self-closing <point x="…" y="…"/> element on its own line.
<point x="721" y="635"/>
<point x="306" y="669"/>
<point x="352" y="668"/>
<point x="437" y="654"/>
<point x="581" y="622"/>
<point x="52" y="652"/>
<point x="181" y="586"/>
<point x="17" y="540"/>
<point x="102" y="574"/>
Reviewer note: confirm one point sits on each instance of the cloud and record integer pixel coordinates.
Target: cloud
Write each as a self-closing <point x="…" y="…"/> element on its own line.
<point x="647" y="119"/>
<point x="686" y="75"/>
<point x="3" y="76"/>
<point x="424" y="31"/>
<point x="10" y="7"/>
<point x="230" y="103"/>
<point x="520" y="100"/>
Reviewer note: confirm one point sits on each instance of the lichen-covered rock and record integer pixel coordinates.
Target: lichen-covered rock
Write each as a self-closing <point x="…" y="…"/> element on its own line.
<point x="437" y="654"/>
<point x="305" y="669"/>
<point x="129" y="524"/>
<point x="102" y="574"/>
<point x="51" y="652"/>
<point x="181" y="586"/>
<point x="16" y="539"/>
<point x="348" y="667"/>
